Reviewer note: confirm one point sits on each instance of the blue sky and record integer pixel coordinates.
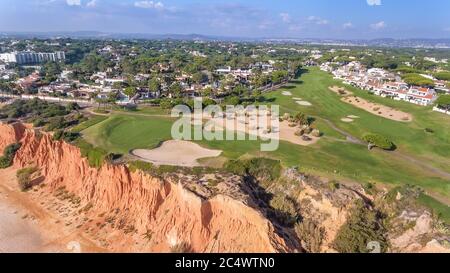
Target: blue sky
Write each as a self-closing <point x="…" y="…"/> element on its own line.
<point x="350" y="19"/>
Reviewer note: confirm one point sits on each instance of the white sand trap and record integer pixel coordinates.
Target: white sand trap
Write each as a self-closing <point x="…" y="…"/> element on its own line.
<point x="352" y="117"/>
<point x="281" y="132"/>
<point x="288" y="134"/>
<point x="297" y="98"/>
<point x="176" y="153"/>
<point x="378" y="109"/>
<point x="348" y="120"/>
<point x="304" y="103"/>
<point x="286" y="93"/>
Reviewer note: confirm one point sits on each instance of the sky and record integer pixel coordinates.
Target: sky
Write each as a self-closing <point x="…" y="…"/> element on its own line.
<point x="334" y="19"/>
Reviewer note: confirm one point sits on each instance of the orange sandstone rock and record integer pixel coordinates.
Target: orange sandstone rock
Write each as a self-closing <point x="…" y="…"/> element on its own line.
<point x="166" y="210"/>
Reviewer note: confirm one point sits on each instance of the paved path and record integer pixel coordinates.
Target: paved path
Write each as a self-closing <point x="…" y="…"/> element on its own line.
<point x="350" y="138"/>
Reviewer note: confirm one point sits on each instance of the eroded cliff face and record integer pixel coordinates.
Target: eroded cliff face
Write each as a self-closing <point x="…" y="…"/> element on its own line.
<point x="10" y="134"/>
<point x="133" y="206"/>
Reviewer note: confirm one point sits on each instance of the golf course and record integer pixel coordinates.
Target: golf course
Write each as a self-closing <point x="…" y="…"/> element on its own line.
<point x="422" y="155"/>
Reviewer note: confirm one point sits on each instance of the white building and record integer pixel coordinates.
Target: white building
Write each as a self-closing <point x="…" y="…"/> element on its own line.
<point x="30" y="57"/>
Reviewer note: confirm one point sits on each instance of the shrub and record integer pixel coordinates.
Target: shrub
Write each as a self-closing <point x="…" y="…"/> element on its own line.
<point x="362" y="227"/>
<point x="443" y="101"/>
<point x="444" y="75"/>
<point x="5" y="162"/>
<point x="301" y="119"/>
<point x="70" y="136"/>
<point x="299" y="132"/>
<point x="417" y="79"/>
<point x="333" y="185"/>
<point x="111" y="157"/>
<point x="8" y="155"/>
<point x="38" y="122"/>
<point x="316" y="133"/>
<point x="379" y="141"/>
<point x="310" y="235"/>
<point x="94" y="155"/>
<point x="58" y="135"/>
<point x="24" y="178"/>
<point x="55" y="123"/>
<point x="73" y="106"/>
<point x="264" y="169"/>
<point x="181" y="248"/>
<point x="66" y="136"/>
<point x="141" y="165"/>
<point x="33" y="108"/>
<point x="284" y="209"/>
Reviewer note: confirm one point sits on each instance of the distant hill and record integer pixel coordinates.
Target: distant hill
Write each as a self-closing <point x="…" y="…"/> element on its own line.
<point x="382" y="42"/>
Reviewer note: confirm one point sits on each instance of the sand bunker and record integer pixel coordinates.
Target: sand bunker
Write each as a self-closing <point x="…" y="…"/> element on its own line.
<point x="297" y="98"/>
<point x="378" y="109"/>
<point x="286" y="93"/>
<point x="176" y="153"/>
<point x="304" y="103"/>
<point x="348" y="120"/>
<point x="340" y="90"/>
<point x="287" y="133"/>
<point x="352" y="116"/>
<point x="283" y="132"/>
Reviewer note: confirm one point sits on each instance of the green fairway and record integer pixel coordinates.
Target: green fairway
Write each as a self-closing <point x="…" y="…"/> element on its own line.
<point x="411" y="138"/>
<point x="332" y="156"/>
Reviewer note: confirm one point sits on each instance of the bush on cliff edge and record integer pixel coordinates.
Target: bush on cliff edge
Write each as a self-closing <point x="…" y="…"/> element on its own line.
<point x="8" y="155"/>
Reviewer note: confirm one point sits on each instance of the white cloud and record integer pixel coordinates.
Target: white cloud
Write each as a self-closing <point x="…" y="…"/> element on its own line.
<point x="285" y="17"/>
<point x="317" y="20"/>
<point x="149" y="5"/>
<point x="378" y="26"/>
<point x="347" y="25"/>
<point x="266" y="24"/>
<point x="91" y="4"/>
<point x="73" y="2"/>
<point x="374" y="2"/>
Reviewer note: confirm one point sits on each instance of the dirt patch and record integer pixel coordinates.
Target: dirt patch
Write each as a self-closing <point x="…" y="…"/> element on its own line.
<point x="176" y="153"/>
<point x="378" y="109"/>
<point x="340" y="91"/>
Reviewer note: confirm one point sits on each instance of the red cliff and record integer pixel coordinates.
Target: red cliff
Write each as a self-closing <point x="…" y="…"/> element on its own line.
<point x="165" y="211"/>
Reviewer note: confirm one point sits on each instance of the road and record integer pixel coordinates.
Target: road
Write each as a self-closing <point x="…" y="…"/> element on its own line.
<point x="49" y="99"/>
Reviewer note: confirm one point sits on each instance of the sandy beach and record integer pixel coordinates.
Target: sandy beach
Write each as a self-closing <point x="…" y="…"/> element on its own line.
<point x="27" y="227"/>
<point x="17" y="231"/>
